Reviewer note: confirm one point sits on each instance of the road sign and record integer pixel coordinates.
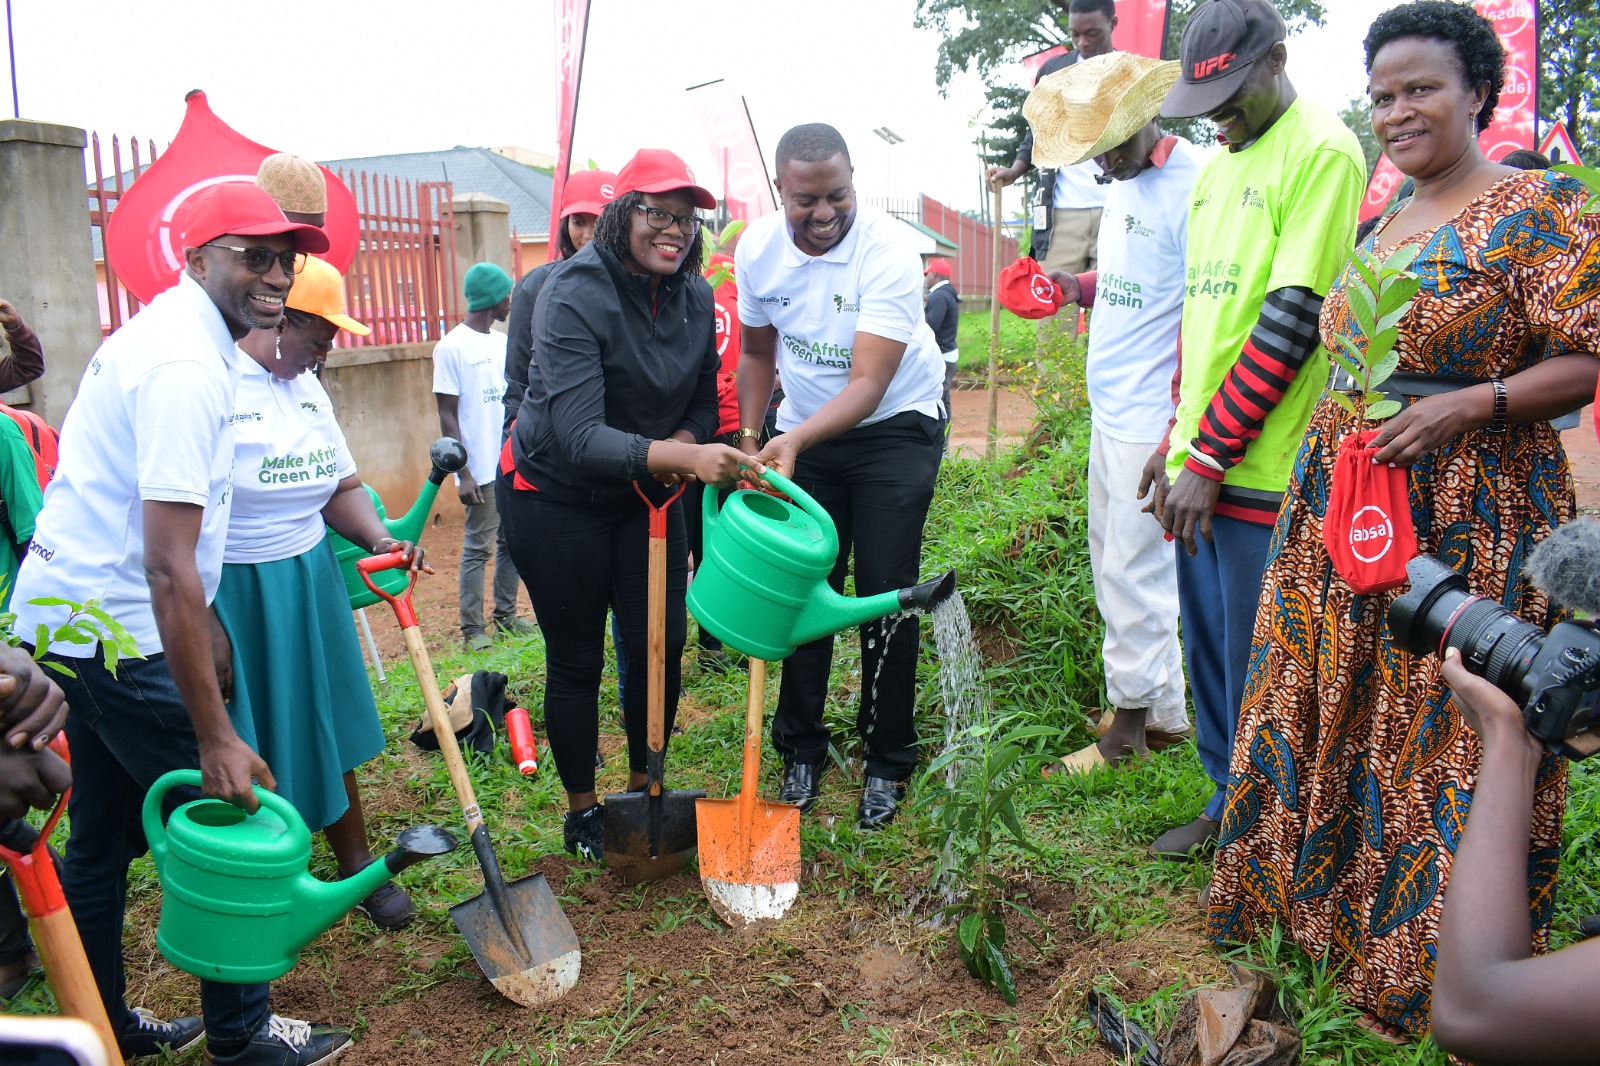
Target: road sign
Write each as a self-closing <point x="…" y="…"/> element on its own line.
<point x="1557" y="146"/>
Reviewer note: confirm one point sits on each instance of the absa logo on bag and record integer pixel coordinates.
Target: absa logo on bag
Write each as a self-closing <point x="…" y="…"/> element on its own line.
<point x="1371" y="534"/>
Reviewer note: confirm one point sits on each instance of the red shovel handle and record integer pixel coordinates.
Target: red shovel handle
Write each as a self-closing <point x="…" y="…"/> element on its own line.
<point x="33" y="871"/>
<point x="403" y="611"/>
<point x="658" y="515"/>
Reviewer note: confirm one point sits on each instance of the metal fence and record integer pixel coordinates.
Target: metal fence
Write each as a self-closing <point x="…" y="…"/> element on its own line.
<point x="973" y="263"/>
<point x="402" y="282"/>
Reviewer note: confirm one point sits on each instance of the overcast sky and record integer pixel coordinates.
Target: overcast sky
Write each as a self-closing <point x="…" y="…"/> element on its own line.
<point x="337" y="78"/>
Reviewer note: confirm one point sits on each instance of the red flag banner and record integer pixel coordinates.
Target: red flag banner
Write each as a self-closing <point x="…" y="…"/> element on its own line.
<point x="1141" y="29"/>
<point x="1515" y="122"/>
<point x="746" y="188"/>
<point x="144" y="237"/>
<point x="572" y="28"/>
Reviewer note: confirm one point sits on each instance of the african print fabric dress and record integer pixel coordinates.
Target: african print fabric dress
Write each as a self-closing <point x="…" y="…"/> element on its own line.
<point x="1353" y="771"/>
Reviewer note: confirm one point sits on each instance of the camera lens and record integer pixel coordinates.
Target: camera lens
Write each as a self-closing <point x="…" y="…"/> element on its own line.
<point x="1439" y="613"/>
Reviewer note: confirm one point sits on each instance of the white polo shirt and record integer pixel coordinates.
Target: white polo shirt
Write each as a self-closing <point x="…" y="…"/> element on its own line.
<point x="288" y="457"/>
<point x="152" y="421"/>
<point x="1138" y="298"/>
<point x="1076" y="189"/>
<point x="870" y="282"/>
<point x="472" y="366"/>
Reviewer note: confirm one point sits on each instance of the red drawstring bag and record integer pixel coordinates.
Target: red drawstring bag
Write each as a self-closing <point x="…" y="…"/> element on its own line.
<point x="1368" y="530"/>
<point x="1026" y="291"/>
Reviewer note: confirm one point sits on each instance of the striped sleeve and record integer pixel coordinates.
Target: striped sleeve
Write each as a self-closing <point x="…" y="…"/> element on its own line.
<point x="1284" y="335"/>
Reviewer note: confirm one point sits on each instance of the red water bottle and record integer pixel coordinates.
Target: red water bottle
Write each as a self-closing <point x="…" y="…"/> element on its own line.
<point x="519" y="734"/>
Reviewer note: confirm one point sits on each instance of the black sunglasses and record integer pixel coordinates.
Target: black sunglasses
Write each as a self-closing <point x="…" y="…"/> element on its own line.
<point x="260" y="260"/>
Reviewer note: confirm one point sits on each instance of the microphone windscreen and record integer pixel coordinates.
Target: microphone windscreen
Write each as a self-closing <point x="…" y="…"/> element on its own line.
<point x="1566" y="566"/>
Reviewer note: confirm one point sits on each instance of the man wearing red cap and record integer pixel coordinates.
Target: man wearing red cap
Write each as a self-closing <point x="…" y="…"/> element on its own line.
<point x="829" y="295"/>
<point x="136" y="518"/>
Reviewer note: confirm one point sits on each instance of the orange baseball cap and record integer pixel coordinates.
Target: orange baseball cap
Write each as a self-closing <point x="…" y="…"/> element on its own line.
<point x="319" y="290"/>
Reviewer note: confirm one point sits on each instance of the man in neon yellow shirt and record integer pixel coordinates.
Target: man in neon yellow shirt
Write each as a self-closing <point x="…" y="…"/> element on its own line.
<point x="1270" y="226"/>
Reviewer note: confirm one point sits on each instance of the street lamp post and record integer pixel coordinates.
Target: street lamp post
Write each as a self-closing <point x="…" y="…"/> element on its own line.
<point x="890" y="139"/>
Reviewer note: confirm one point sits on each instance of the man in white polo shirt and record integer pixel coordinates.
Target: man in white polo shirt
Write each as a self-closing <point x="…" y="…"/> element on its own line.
<point x="830" y="294"/>
<point x="1104" y="109"/>
<point x="136" y="517"/>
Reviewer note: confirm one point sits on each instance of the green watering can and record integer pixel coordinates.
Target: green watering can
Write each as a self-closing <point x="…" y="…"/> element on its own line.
<point x="763" y="585"/>
<point x="448" y="456"/>
<point x="237" y="903"/>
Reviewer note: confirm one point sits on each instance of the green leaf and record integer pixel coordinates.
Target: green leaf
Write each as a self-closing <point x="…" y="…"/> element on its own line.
<point x="1401" y="259"/>
<point x="1392" y="319"/>
<point x="1363" y="306"/>
<point x="1354" y="366"/>
<point x="1383" y="409"/>
<point x="1386" y="366"/>
<point x="1001" y="971"/>
<point x="41" y="638"/>
<point x="967" y="931"/>
<point x="74" y="635"/>
<point x="1397" y="291"/>
<point x="64" y="671"/>
<point x="1342" y="400"/>
<point x="54" y="601"/>
<point x="1381" y="345"/>
<point x="1371" y="398"/>
<point x="1365" y="271"/>
<point x="119" y="633"/>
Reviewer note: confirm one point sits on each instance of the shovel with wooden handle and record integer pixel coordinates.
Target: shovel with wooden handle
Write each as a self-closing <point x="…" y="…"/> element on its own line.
<point x="650" y="835"/>
<point x="517" y="931"/>
<point x="55" y="934"/>
<point x="750" y="847"/>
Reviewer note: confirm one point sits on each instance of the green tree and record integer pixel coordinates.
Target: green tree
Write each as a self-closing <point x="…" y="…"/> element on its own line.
<point x="1357" y="115"/>
<point x="983" y="35"/>
<point x="1569" y="70"/>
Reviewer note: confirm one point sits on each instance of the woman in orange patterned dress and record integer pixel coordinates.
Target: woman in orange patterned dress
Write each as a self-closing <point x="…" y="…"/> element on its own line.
<point x="1352" y="772"/>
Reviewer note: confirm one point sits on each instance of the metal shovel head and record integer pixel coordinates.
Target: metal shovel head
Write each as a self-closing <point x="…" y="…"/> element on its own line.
<point x="751" y="873"/>
<point x="549" y="969"/>
<point x="650" y="838"/>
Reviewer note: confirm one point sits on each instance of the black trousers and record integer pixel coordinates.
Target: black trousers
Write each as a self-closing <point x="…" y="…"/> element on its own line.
<point x="577" y="561"/>
<point x="876" y="482"/>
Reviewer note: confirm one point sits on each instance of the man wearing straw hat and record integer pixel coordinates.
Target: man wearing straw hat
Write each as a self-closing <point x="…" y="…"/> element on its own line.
<point x="1104" y="109"/>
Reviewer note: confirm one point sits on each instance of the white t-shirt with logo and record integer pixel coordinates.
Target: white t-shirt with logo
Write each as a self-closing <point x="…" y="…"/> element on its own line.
<point x="288" y="457"/>
<point x="1076" y="188"/>
<point x="870" y="282"/>
<point x="472" y="366"/>
<point x="1138" y="298"/>
<point x="151" y="421"/>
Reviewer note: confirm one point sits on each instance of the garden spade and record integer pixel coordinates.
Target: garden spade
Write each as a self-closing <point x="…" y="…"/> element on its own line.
<point x="518" y="933"/>
<point x="650" y="835"/>
<point x="750" y="847"/>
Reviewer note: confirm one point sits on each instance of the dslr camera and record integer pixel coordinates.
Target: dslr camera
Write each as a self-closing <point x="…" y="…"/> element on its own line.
<point x="1555" y="676"/>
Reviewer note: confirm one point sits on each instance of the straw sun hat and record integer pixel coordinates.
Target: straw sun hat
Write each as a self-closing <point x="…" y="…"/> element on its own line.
<point x="1094" y="105"/>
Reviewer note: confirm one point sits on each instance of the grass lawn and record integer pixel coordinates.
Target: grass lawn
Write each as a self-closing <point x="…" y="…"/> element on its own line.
<point x="864" y="969"/>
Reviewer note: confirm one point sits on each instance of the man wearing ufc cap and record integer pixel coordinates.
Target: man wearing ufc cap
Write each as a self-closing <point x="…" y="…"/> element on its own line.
<point x="136" y="518"/>
<point x="1271" y="221"/>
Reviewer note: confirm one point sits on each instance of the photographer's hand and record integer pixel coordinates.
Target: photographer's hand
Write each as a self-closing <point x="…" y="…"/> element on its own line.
<point x="1493" y="715"/>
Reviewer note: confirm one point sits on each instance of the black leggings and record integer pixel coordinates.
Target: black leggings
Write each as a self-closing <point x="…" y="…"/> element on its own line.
<point x="576" y="561"/>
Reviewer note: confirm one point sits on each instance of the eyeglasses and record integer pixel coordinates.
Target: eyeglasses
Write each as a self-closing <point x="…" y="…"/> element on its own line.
<point x="260" y="260"/>
<point x="658" y="219"/>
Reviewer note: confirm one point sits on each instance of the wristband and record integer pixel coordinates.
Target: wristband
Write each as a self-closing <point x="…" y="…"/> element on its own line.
<point x="1497" y="424"/>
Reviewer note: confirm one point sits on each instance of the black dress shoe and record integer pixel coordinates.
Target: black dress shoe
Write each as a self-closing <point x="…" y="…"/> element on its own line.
<point x="880" y="799"/>
<point x="802" y="784"/>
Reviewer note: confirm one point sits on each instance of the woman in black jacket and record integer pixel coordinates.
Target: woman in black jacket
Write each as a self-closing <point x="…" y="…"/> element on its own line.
<point x="623" y="393"/>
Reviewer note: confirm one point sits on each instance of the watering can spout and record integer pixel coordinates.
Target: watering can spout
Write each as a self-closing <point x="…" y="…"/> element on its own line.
<point x="324" y="902"/>
<point x="929" y="594"/>
<point x="828" y="612"/>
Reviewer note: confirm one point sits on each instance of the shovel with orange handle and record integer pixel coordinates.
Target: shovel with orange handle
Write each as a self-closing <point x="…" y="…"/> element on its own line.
<point x="55" y="934"/>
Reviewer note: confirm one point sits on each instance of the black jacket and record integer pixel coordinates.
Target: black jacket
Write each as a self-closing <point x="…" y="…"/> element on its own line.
<point x="944" y="316"/>
<point x="519" y="337"/>
<point x="612" y="377"/>
<point x="1047" y="178"/>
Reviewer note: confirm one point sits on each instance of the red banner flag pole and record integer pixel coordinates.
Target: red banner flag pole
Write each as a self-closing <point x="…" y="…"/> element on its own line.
<point x="572" y="31"/>
<point x="732" y="139"/>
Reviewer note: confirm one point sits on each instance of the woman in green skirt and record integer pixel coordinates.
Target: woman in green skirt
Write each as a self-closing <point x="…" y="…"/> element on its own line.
<point x="299" y="692"/>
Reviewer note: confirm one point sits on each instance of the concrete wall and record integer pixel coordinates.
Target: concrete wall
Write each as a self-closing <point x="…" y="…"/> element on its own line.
<point x="46" y="263"/>
<point x="383" y="398"/>
<point x="483" y="232"/>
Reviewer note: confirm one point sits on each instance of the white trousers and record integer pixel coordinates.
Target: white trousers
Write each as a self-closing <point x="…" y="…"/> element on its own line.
<point x="1135" y="586"/>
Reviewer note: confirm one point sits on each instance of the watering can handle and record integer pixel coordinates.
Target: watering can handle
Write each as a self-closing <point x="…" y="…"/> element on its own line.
<point x="155" y="832"/>
<point x="801" y="499"/>
<point x="373" y="564"/>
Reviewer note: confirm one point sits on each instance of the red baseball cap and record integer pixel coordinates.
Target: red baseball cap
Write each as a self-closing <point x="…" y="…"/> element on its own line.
<point x="1026" y="291"/>
<point x="242" y="208"/>
<point x="658" y="170"/>
<point x="938" y="266"/>
<point x="587" y="192"/>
